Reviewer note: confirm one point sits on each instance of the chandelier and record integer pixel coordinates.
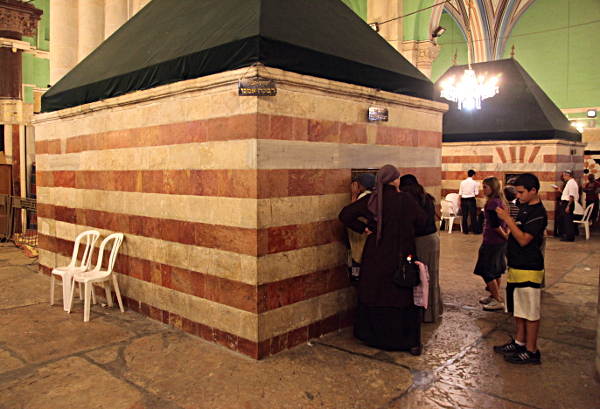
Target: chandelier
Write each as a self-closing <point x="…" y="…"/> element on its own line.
<point x="470" y="91"/>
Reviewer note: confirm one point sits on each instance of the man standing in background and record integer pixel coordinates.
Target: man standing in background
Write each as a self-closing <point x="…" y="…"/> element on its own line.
<point x="469" y="189"/>
<point x="570" y="194"/>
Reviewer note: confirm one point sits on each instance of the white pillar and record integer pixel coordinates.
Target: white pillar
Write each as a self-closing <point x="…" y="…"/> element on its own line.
<point x="64" y="34"/>
<point x="384" y="10"/>
<point x="136" y="5"/>
<point x="91" y="26"/>
<point x="115" y="15"/>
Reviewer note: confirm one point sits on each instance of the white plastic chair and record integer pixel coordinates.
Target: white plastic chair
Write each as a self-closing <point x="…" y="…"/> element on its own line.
<point x="586" y="220"/>
<point x="67" y="272"/>
<point x="449" y="213"/>
<point x="97" y="275"/>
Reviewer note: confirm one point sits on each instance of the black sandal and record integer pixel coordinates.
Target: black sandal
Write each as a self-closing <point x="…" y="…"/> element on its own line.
<point x="416" y="351"/>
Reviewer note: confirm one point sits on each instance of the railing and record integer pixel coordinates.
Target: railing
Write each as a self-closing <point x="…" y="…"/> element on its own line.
<point x="18" y="219"/>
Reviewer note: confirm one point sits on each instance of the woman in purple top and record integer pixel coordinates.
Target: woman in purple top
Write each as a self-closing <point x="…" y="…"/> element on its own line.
<point x="491" y="263"/>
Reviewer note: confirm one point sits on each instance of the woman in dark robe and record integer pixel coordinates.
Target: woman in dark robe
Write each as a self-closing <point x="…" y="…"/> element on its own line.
<point x="386" y="316"/>
<point x="428" y="245"/>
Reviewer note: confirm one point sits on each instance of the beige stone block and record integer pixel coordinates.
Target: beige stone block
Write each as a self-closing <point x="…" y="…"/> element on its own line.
<point x="402" y="117"/>
<point x="249" y="213"/>
<point x="279" y="266"/>
<point x="233" y="155"/>
<point x="276" y="154"/>
<point x="330" y="205"/>
<point x="171" y="112"/>
<point x="133" y="204"/>
<point x="68" y="161"/>
<point x="332" y="303"/>
<point x="176" y="207"/>
<point x="288" y="318"/>
<point x="203" y="156"/>
<point x="289" y="103"/>
<point x="47" y="258"/>
<point x="45" y="195"/>
<point x="42" y="162"/>
<point x="227" y="265"/>
<point x="158" y="157"/>
<point x="198" y="107"/>
<point x="149" y="114"/>
<point x="228" y="103"/>
<point x="94" y="123"/>
<point x="249" y="270"/>
<point x="451" y="184"/>
<point x="66" y="231"/>
<point x="153" y="204"/>
<point x="44" y="226"/>
<point x="430" y="121"/>
<point x="264" y="214"/>
<point x="181" y="157"/>
<point x="293" y="210"/>
<point x="202" y="260"/>
<point x="157" y="251"/>
<point x="176" y="254"/>
<point x="200" y="209"/>
<point x="330" y="255"/>
<point x="64" y="196"/>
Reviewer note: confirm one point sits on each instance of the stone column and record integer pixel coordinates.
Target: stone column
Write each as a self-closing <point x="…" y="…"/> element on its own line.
<point x="383" y="10"/>
<point x="64" y="33"/>
<point x="115" y="15"/>
<point x="136" y="5"/>
<point x="91" y="26"/>
<point x="421" y="54"/>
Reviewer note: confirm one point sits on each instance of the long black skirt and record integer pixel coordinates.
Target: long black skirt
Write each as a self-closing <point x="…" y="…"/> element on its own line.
<point x="389" y="328"/>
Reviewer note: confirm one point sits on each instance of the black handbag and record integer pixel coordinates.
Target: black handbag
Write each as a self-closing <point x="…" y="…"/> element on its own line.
<point x="407" y="273"/>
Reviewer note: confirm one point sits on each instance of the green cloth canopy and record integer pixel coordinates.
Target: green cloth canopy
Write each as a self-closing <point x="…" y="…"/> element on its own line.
<point x="169" y="41"/>
<point x="520" y="111"/>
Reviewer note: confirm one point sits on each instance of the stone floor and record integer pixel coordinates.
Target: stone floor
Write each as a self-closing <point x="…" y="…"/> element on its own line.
<point x="50" y="359"/>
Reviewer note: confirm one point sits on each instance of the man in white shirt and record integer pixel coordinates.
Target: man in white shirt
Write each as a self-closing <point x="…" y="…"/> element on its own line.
<point x="570" y="194"/>
<point x="469" y="189"/>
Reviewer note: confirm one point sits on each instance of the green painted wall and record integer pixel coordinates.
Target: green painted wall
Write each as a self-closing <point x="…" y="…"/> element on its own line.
<point x="359" y="7"/>
<point x="556" y="41"/>
<point x="453" y="39"/>
<point x="416" y="26"/>
<point x="36" y="71"/>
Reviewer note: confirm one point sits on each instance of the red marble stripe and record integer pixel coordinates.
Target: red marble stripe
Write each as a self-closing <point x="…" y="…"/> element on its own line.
<point x="461" y="175"/>
<point x="534" y="153"/>
<point x="245" y="126"/>
<point x="429" y="139"/>
<point x="500" y="151"/>
<point x="513" y="154"/>
<point x="426" y="176"/>
<point x="239" y="183"/>
<point x="242" y="296"/>
<point x="239" y="240"/>
<point x="468" y="159"/>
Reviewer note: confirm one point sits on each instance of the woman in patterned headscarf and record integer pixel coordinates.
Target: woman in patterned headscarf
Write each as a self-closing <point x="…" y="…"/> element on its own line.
<point x="386" y="316"/>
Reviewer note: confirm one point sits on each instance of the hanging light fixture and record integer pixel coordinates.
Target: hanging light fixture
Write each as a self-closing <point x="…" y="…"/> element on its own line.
<point x="471" y="90"/>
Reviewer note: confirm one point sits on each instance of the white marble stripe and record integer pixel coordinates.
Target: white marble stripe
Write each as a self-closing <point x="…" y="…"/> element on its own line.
<point x="226" y="211"/>
<point x="244" y="154"/>
<point x="220" y="263"/>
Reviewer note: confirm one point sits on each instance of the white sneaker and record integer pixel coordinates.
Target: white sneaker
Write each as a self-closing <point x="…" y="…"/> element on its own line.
<point x="494" y="305"/>
<point x="486" y="300"/>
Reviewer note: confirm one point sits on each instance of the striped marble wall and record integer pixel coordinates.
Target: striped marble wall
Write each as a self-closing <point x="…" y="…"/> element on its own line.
<point x="546" y="159"/>
<point x="229" y="204"/>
